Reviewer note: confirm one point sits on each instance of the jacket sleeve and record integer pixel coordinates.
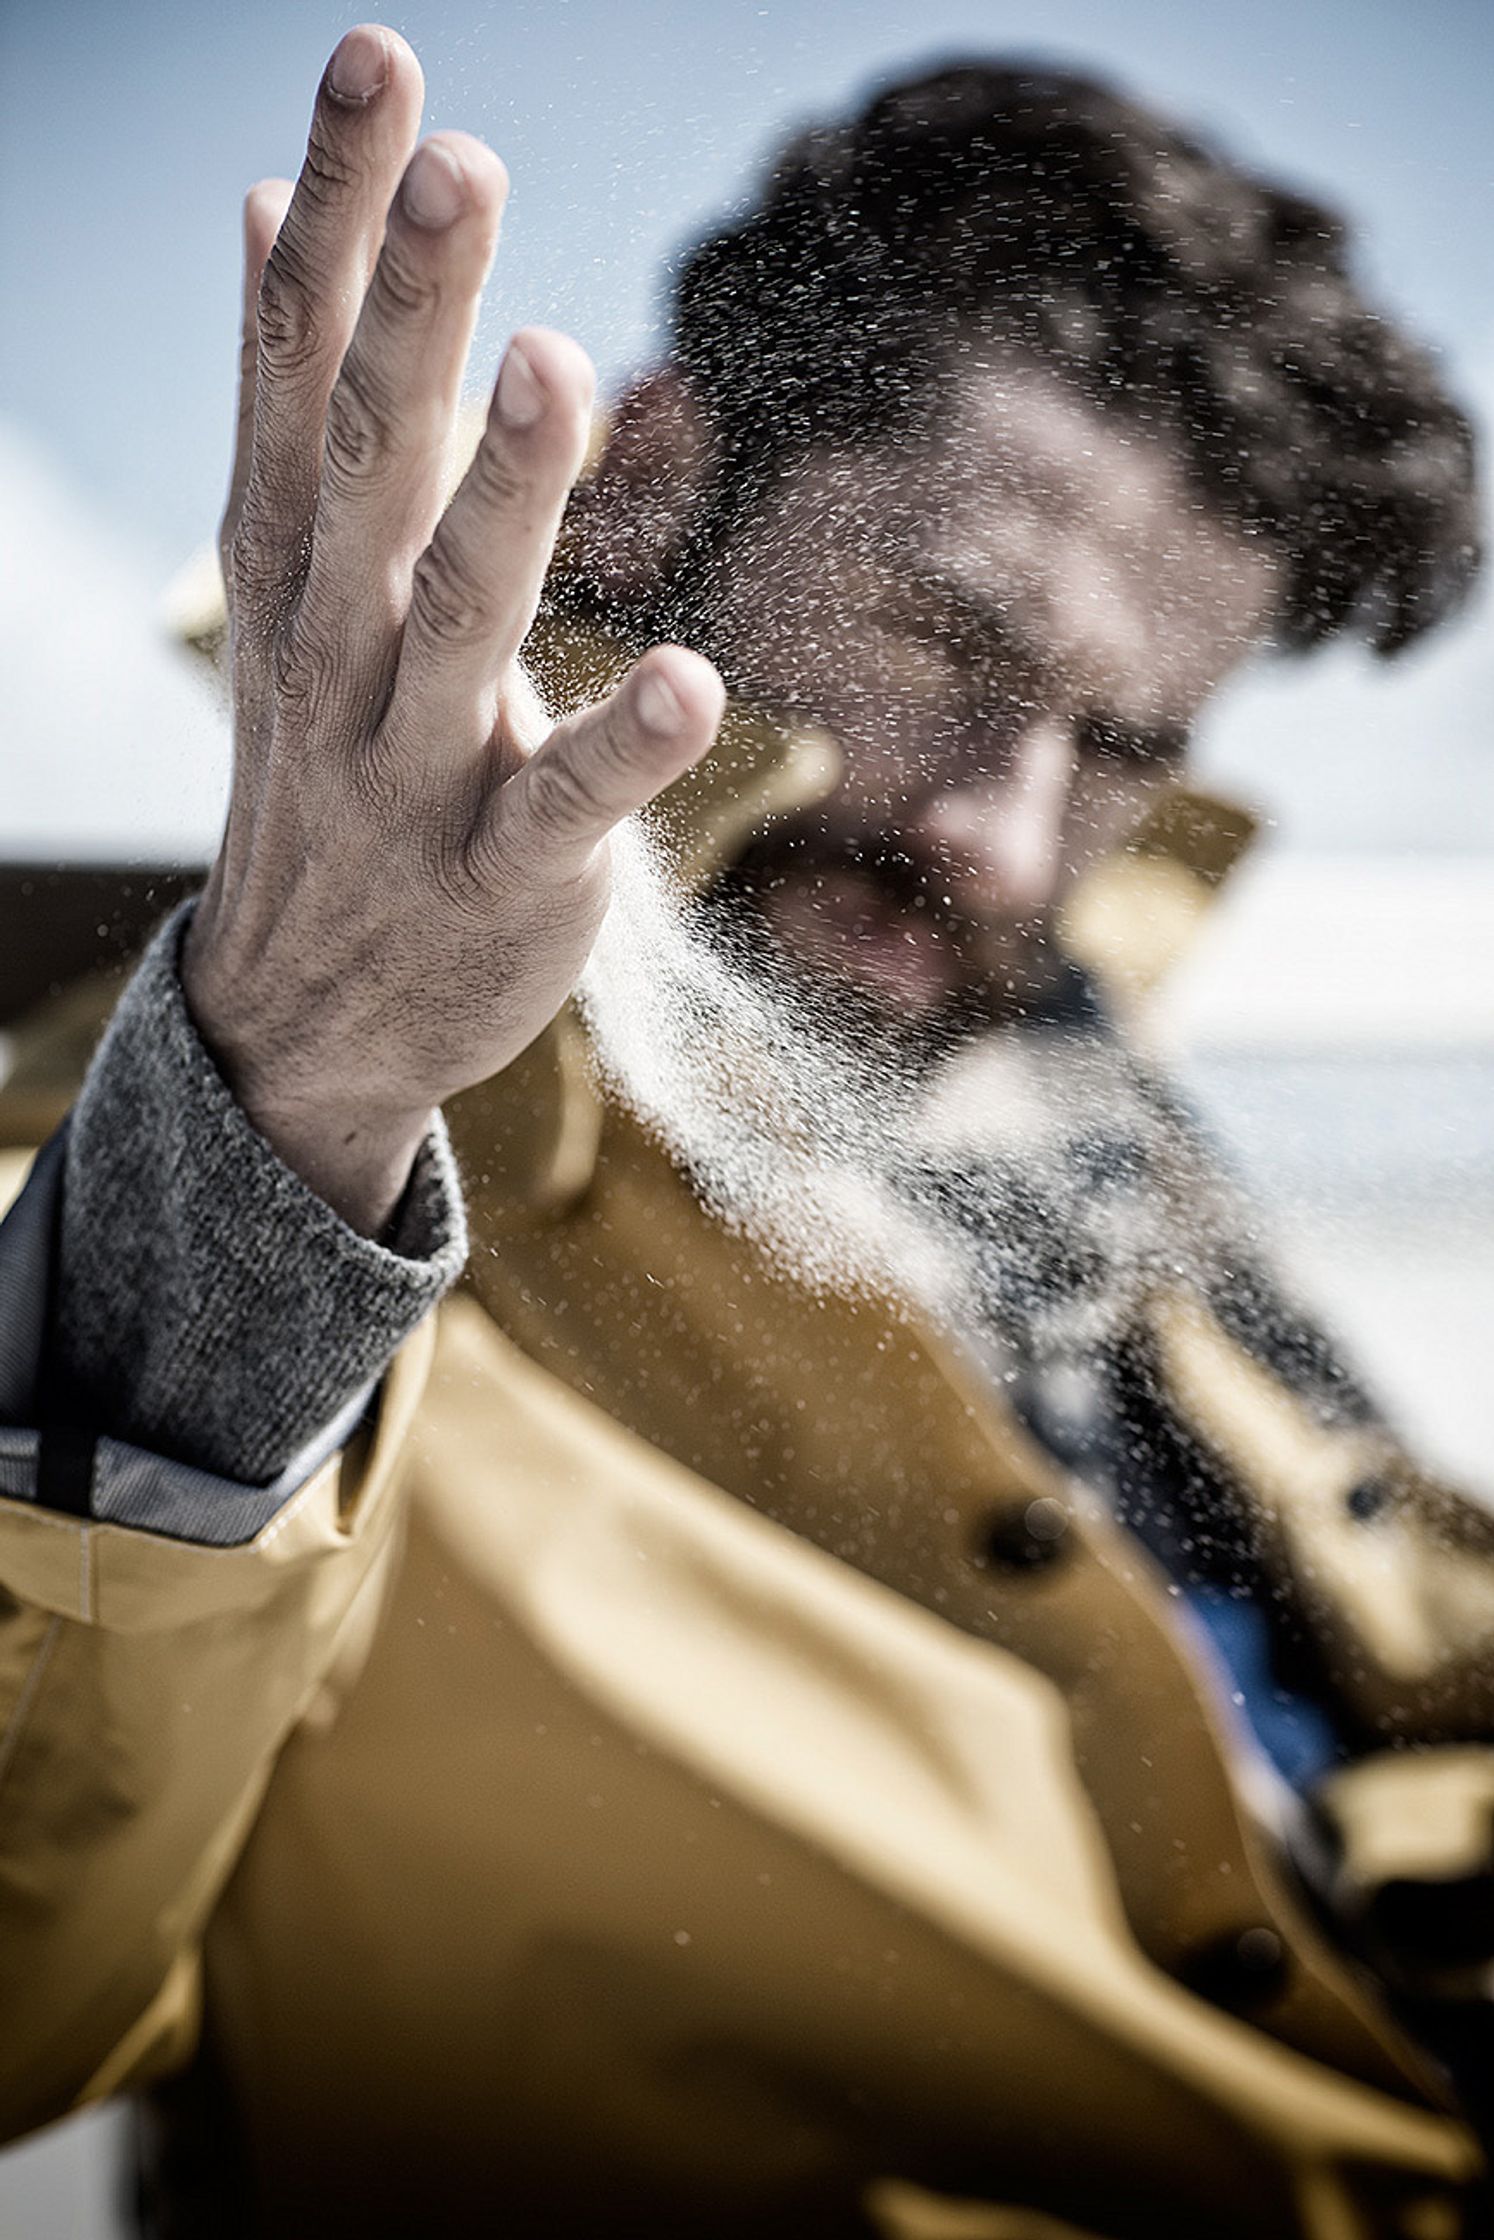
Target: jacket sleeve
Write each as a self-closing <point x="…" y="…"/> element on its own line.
<point x="197" y="1487"/>
<point x="207" y="1306"/>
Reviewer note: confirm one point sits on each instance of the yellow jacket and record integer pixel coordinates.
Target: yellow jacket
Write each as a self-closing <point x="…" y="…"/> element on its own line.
<point x="638" y="1787"/>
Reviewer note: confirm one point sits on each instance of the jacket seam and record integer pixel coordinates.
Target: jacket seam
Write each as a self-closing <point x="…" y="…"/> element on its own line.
<point x="10" y="1740"/>
<point x="27" y="1507"/>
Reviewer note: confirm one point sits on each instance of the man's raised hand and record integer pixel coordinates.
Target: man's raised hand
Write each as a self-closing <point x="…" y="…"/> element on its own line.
<point x="412" y="874"/>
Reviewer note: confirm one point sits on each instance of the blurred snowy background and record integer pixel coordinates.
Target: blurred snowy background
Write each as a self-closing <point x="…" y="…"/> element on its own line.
<point x="1338" y="1022"/>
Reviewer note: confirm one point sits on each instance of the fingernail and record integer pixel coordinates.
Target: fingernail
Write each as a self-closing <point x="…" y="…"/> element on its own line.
<point x="359" y="66"/>
<point x="434" y="190"/>
<point x="658" y="705"/>
<point x="521" y="400"/>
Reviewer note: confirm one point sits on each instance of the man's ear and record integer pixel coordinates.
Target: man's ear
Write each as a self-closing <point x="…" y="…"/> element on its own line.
<point x="628" y="519"/>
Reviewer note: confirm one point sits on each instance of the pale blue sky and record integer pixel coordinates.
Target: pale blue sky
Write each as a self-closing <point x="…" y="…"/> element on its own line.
<point x="128" y="132"/>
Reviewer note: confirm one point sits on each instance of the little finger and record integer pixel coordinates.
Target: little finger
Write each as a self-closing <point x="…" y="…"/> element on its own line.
<point x="265" y="206"/>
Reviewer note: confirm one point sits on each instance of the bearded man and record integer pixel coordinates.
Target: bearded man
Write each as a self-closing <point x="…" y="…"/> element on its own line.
<point x="736" y="1728"/>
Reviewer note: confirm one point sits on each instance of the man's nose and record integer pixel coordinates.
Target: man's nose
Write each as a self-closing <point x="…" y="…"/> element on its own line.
<point x="1003" y="836"/>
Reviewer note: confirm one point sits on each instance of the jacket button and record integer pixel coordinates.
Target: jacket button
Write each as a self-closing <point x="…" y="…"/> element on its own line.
<point x="1026" y="1539"/>
<point x="1242" y="1970"/>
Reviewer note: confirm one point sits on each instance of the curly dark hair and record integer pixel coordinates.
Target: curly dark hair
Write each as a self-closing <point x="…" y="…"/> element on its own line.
<point x="1046" y="211"/>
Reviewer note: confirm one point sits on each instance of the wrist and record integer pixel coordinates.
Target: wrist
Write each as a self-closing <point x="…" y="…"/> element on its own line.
<point x="354" y="1153"/>
<point x="357" y="1161"/>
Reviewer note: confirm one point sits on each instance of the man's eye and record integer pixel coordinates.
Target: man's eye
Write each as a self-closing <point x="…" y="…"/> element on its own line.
<point x="1105" y="740"/>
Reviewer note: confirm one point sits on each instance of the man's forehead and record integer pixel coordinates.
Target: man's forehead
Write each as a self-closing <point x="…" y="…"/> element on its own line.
<point x="1078" y="532"/>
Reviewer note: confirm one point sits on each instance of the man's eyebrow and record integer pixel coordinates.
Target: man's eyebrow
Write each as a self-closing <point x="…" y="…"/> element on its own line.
<point x="1109" y="739"/>
<point x="1097" y="732"/>
<point x="982" y="616"/>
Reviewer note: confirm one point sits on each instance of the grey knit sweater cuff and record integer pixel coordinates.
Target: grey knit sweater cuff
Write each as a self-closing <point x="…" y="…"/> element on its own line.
<point x="210" y="1307"/>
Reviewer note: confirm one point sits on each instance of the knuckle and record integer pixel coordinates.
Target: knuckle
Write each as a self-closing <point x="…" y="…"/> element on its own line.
<point x="288" y="318"/>
<point x="382" y="785"/>
<point x="361" y="439"/>
<point x="304" y="673"/>
<point x="244" y="548"/>
<point x="563" y="795"/>
<point x="498" y="484"/>
<point x="447" y="602"/>
<point x="260" y="561"/>
<point x="610" y="741"/>
<point x="401" y="289"/>
<point x="328" y="174"/>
